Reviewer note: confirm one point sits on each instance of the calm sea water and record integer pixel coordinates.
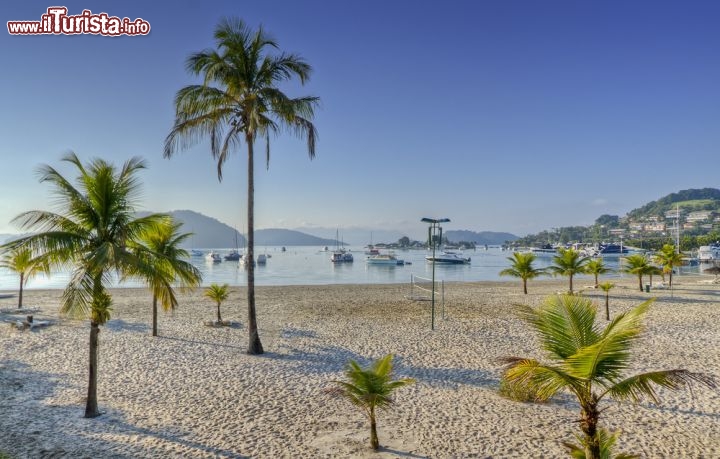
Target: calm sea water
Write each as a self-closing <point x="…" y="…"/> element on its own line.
<point x="312" y="266"/>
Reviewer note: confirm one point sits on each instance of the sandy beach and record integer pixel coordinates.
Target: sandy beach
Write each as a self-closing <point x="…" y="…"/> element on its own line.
<point x="193" y="392"/>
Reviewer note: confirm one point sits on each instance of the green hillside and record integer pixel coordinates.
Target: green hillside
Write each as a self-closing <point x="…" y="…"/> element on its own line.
<point x="688" y="201"/>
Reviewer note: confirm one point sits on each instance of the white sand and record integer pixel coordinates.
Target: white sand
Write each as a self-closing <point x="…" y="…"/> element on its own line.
<point x="193" y="392"/>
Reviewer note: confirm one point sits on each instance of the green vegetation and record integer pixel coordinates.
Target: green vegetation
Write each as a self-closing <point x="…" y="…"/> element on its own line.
<point x="240" y="101"/>
<point x="370" y="389"/>
<point x="96" y="232"/>
<point x="521" y="267"/>
<point x="568" y="263"/>
<point x="164" y="241"/>
<point x="669" y="259"/>
<point x="596" y="266"/>
<point x="638" y="265"/>
<point x="20" y="260"/>
<point x="590" y="362"/>
<point x="218" y="293"/>
<point x="606" y="287"/>
<point x="653" y="213"/>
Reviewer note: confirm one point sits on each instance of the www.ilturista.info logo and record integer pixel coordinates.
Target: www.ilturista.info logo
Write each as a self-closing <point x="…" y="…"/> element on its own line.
<point x="57" y="22"/>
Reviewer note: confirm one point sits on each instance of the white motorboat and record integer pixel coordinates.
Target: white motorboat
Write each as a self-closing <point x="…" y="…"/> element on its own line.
<point x="196" y="253"/>
<point x="448" y="258"/>
<point x="213" y="257"/>
<point x="384" y="259"/>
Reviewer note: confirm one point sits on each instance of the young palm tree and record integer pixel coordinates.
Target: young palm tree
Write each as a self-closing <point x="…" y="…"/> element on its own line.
<point x="218" y="293"/>
<point x="637" y="264"/>
<point x="522" y="267"/>
<point x="240" y="101"/>
<point x="596" y="266"/>
<point x="168" y="257"/>
<point x="569" y="262"/>
<point x="669" y="259"/>
<point x="370" y="389"/>
<point x="21" y="261"/>
<point x="606" y="287"/>
<point x="91" y="233"/>
<point x="589" y="361"/>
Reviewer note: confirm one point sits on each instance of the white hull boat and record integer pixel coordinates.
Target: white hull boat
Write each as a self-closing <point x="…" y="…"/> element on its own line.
<point x="448" y="258"/>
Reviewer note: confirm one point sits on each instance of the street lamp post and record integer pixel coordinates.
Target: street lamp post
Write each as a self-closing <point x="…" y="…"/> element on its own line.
<point x="434" y="234"/>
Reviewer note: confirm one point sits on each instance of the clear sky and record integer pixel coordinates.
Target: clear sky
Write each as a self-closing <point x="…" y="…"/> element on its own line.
<point x="509" y="115"/>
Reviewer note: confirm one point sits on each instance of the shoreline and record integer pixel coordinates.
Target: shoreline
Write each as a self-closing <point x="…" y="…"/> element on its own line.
<point x="193" y="392"/>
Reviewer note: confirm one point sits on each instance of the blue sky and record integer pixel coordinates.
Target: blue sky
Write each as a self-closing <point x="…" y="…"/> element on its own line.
<point x="510" y="116"/>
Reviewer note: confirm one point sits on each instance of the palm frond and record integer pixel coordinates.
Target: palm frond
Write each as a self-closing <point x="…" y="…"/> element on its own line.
<point x="639" y="387"/>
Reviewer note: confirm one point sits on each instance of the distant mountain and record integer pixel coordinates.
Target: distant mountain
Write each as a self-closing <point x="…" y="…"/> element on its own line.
<point x="483" y="237"/>
<point x="212" y="233"/>
<point x="355" y="236"/>
<point x="688" y="200"/>
<point x="277" y="236"/>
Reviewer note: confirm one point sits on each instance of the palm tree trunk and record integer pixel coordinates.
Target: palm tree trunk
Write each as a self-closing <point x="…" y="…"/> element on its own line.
<point x="218" y="312"/>
<point x="571" y="286"/>
<point x="374" y="441"/>
<point x="590" y="416"/>
<point x="91" y="406"/>
<point x="525" y="286"/>
<point x="607" y="305"/>
<point x="22" y="280"/>
<point x="154" y="316"/>
<point x="640" y="281"/>
<point x="596" y="281"/>
<point x="254" y="346"/>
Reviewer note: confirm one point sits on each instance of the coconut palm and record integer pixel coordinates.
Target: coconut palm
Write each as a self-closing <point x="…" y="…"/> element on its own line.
<point x="596" y="266"/>
<point x="606" y="287"/>
<point x="91" y="234"/>
<point x="669" y="259"/>
<point x="218" y="293"/>
<point x="164" y="241"/>
<point x="590" y="361"/>
<point x="20" y="260"/>
<point x="522" y="267"/>
<point x="240" y="101"/>
<point x="569" y="262"/>
<point x="370" y="389"/>
<point x="638" y="265"/>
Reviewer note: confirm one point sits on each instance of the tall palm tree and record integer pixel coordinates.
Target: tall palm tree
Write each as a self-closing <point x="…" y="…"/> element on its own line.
<point x="606" y="287"/>
<point x="596" y="266"/>
<point x="217" y="293"/>
<point x="521" y="266"/>
<point x="240" y="101"/>
<point x="638" y="265"/>
<point x="669" y="259"/>
<point x="590" y="361"/>
<point x="569" y="262"/>
<point x="169" y="259"/>
<point x="370" y="389"/>
<point x="92" y="233"/>
<point x="20" y="260"/>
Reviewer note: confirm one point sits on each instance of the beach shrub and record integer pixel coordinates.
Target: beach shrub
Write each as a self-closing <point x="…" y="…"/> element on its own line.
<point x="589" y="361"/>
<point x="519" y="392"/>
<point x="370" y="389"/>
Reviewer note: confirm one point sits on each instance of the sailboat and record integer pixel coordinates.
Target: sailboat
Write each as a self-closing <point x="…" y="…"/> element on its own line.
<point x="340" y="255"/>
<point x="234" y="255"/>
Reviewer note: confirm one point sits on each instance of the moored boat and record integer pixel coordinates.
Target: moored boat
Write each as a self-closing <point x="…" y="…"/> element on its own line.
<point x="213" y="257"/>
<point x="448" y="258"/>
<point x="384" y="259"/>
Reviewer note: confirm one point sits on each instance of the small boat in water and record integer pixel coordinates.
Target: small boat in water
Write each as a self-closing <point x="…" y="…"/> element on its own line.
<point x="341" y="256"/>
<point x="234" y="255"/>
<point x="384" y="259"/>
<point x="448" y="258"/>
<point x="196" y="253"/>
<point x="262" y="259"/>
<point x="213" y="257"/>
